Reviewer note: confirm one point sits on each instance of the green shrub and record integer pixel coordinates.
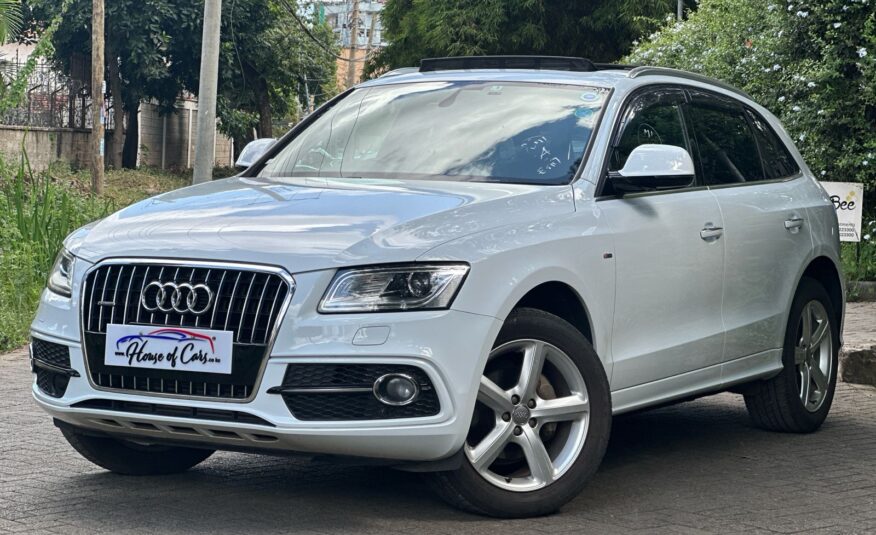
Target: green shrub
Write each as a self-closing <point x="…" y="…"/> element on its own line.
<point x="859" y="259"/>
<point x="37" y="214"/>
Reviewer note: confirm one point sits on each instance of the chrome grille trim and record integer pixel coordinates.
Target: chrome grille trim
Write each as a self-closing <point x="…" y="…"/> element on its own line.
<point x="255" y="333"/>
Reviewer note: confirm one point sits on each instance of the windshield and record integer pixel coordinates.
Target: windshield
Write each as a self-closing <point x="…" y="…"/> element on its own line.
<point x="478" y="131"/>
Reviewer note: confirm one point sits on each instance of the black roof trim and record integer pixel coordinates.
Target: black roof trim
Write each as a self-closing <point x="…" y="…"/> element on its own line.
<point x="553" y="63"/>
<point x="615" y="66"/>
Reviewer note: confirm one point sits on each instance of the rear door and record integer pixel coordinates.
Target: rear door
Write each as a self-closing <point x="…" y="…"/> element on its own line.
<point x="766" y="236"/>
<point x="669" y="257"/>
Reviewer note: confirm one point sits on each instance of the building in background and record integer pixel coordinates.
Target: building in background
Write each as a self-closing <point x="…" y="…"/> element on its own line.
<point x="358" y="38"/>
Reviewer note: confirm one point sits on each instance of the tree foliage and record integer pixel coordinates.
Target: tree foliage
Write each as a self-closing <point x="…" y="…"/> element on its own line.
<point x="268" y="66"/>
<point x="10" y="19"/>
<point x="153" y="43"/>
<point x="601" y="30"/>
<point x="153" y="53"/>
<point x="813" y="63"/>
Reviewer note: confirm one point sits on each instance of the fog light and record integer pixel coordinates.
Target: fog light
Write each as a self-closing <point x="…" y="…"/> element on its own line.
<point x="396" y="389"/>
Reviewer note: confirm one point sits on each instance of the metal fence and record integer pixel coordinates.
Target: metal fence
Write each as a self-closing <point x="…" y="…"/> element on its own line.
<point x="52" y="100"/>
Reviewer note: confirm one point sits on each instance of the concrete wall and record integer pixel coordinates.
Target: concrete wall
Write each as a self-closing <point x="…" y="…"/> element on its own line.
<point x="167" y="142"/>
<point x="45" y="145"/>
<point x="164" y="141"/>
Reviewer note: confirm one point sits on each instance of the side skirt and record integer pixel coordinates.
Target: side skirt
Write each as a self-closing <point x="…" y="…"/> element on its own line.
<point x="711" y="380"/>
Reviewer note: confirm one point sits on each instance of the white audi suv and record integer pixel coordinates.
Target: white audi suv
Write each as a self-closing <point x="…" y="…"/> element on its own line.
<point x="463" y="269"/>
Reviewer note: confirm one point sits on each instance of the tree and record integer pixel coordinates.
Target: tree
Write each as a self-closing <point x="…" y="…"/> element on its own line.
<point x="10" y="19"/>
<point x="269" y="65"/>
<point x="813" y="63"/>
<point x="600" y="30"/>
<point x="150" y="48"/>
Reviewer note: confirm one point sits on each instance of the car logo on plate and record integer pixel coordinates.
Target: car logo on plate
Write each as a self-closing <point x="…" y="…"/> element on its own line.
<point x="182" y="298"/>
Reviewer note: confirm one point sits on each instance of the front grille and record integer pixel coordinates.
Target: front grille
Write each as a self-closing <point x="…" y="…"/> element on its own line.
<point x="196" y="413"/>
<point x="352" y="405"/>
<point x="246" y="302"/>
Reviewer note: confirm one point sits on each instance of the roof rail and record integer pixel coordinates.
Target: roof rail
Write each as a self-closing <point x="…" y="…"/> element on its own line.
<point x="399" y="71"/>
<point x="554" y="63"/>
<point x="666" y="71"/>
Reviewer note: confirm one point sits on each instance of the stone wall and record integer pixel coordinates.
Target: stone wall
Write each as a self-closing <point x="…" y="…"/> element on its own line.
<point x="45" y="145"/>
<point x="166" y="141"/>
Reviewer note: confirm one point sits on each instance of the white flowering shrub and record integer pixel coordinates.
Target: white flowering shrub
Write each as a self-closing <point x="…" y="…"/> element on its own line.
<point x="812" y="63"/>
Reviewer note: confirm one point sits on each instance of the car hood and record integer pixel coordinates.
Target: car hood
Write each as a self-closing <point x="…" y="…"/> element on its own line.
<point x="308" y="224"/>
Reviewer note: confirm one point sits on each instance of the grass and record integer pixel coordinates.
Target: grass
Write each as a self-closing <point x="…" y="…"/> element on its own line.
<point x="37" y="211"/>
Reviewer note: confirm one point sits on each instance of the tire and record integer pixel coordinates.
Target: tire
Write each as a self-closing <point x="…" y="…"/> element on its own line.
<point x="777" y="404"/>
<point x="131" y="459"/>
<point x="575" y="445"/>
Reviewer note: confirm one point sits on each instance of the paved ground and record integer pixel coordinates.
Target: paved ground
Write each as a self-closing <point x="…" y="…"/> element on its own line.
<point x="859" y="329"/>
<point x="698" y="467"/>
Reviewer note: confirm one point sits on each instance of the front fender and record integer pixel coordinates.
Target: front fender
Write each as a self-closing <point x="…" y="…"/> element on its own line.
<point x="506" y="263"/>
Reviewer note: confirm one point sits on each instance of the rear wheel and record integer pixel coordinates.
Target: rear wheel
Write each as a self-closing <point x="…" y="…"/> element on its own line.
<point x="541" y="422"/>
<point x="799" y="398"/>
<point x="131" y="458"/>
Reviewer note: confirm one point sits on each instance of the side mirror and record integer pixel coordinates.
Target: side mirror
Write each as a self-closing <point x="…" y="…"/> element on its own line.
<point x="253" y="151"/>
<point x="653" y="167"/>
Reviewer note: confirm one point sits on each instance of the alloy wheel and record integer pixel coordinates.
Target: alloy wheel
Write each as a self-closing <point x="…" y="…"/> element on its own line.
<point x="531" y="418"/>
<point x="813" y="355"/>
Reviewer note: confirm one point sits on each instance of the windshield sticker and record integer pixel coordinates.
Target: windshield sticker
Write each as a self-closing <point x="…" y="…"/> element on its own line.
<point x="495" y="90"/>
<point x="583" y="112"/>
<point x="590" y="96"/>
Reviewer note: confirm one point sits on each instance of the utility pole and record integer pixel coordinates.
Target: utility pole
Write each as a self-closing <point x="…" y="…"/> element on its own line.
<point x="370" y="44"/>
<point x="353" y="24"/>
<point x="97" y="81"/>
<point x="205" y="151"/>
<point x="680" y="10"/>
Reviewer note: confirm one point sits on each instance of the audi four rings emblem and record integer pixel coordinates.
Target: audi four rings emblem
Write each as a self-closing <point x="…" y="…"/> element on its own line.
<point x="182" y="298"/>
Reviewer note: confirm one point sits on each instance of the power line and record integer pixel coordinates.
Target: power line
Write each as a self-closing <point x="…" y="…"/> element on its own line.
<point x="316" y="39"/>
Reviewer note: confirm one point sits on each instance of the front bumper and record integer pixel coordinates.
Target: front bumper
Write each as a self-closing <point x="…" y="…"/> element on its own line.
<point x="450" y="346"/>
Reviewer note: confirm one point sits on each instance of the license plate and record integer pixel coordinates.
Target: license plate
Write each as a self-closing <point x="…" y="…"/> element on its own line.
<point x="168" y="348"/>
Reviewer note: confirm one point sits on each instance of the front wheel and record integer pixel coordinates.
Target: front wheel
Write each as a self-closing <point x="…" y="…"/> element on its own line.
<point x="541" y="422"/>
<point x="799" y="398"/>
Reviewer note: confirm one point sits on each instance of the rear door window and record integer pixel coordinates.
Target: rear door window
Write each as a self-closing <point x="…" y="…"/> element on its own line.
<point x="777" y="161"/>
<point x="728" y="150"/>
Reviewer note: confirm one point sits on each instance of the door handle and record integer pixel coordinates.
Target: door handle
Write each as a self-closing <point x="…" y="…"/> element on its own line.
<point x="711" y="232"/>
<point x="794" y="223"/>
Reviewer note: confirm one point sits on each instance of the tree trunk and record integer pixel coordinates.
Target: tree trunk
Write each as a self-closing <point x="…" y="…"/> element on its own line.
<point x="132" y="139"/>
<point x="115" y="83"/>
<point x="266" y="125"/>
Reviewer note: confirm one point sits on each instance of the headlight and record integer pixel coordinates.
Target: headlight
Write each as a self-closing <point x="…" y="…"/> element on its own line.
<point x="61" y="277"/>
<point x="394" y="288"/>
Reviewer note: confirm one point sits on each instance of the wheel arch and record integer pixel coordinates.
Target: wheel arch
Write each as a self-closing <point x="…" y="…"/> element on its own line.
<point x="824" y="270"/>
<point x="562" y="300"/>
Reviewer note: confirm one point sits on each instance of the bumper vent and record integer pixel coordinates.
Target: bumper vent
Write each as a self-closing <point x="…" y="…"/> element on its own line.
<point x="246" y="302"/>
<point x="172" y="411"/>
<point x="51" y="364"/>
<point x="343" y="392"/>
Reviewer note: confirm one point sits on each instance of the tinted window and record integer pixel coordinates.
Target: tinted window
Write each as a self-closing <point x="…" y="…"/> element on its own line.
<point x="652" y="118"/>
<point x="478" y="131"/>
<point x="777" y="161"/>
<point x="727" y="148"/>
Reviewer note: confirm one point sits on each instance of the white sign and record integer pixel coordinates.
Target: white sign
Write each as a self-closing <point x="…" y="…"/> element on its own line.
<point x="168" y="348"/>
<point x="848" y="200"/>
